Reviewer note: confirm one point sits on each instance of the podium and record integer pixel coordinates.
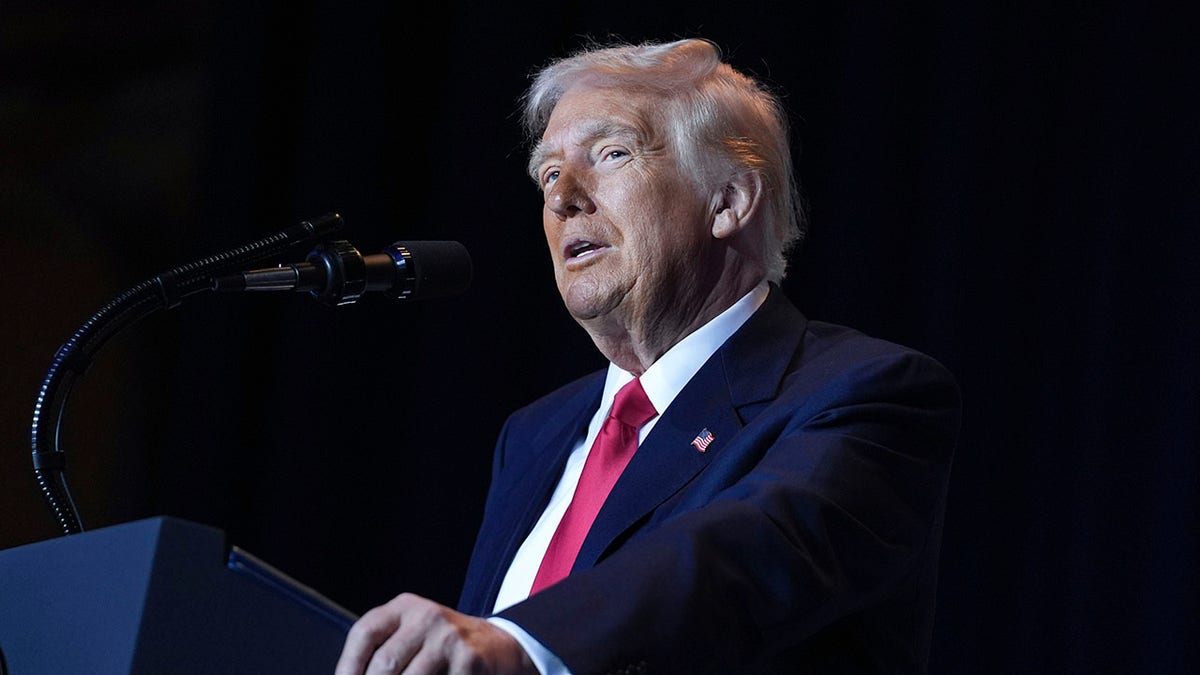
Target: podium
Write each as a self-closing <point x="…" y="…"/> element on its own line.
<point x="160" y="596"/>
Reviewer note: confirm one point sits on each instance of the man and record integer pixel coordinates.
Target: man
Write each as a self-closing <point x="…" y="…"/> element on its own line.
<point x="782" y="512"/>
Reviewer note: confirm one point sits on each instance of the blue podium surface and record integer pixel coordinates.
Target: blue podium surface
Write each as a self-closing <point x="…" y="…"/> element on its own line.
<point x="159" y="596"/>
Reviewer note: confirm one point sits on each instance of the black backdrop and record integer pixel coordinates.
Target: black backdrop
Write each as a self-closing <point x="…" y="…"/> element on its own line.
<point x="1011" y="188"/>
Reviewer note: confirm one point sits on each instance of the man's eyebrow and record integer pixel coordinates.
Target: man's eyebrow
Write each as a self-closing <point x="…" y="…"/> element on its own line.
<point x="543" y="151"/>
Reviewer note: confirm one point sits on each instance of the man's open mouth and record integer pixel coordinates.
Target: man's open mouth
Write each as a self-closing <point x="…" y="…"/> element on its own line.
<point x="582" y="248"/>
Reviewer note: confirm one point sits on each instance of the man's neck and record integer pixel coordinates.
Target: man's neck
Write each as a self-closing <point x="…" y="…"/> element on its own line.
<point x="638" y="345"/>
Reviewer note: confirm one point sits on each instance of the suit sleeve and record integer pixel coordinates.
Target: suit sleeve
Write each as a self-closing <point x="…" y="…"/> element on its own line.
<point x="826" y="513"/>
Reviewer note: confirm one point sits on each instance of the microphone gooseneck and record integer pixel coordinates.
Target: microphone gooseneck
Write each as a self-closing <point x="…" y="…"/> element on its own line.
<point x="335" y="273"/>
<point x="164" y="291"/>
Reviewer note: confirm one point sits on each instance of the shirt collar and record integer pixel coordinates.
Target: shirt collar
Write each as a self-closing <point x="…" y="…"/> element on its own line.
<point x="667" y="376"/>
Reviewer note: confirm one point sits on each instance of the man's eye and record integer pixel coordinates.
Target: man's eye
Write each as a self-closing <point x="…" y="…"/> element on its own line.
<point x="615" y="154"/>
<point x="550" y="177"/>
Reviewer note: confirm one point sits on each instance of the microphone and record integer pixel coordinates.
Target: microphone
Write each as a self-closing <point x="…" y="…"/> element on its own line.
<point x="335" y="273"/>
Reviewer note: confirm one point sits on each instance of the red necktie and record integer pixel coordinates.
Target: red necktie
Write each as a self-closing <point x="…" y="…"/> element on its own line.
<point x="614" y="446"/>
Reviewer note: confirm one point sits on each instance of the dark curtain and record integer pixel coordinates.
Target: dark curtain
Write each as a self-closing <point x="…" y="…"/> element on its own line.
<point x="1009" y="187"/>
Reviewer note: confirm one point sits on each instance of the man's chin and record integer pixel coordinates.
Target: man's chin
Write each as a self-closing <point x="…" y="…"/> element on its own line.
<point x="582" y="295"/>
<point x="587" y="308"/>
<point x="585" y="314"/>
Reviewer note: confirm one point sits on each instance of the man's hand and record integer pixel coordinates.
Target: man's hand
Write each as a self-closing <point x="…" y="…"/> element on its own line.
<point x="413" y="635"/>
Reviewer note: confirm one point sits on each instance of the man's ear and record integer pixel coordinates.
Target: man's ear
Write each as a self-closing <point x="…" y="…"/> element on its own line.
<point x="737" y="203"/>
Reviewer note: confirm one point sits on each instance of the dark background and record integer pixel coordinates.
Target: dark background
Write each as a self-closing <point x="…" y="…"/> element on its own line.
<point x="1011" y="188"/>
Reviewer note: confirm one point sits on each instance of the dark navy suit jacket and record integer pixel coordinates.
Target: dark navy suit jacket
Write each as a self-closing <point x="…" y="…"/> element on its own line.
<point x="804" y="538"/>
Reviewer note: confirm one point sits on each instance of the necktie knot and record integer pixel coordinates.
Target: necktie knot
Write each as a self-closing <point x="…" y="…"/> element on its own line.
<point x="632" y="406"/>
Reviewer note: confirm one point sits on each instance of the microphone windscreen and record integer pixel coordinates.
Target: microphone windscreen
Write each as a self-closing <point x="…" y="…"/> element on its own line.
<point x="439" y="268"/>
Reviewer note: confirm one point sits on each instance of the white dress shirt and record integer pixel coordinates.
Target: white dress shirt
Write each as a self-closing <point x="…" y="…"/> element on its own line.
<point x="662" y="382"/>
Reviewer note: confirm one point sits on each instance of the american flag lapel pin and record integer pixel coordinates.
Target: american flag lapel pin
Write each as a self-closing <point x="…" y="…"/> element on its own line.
<point x="702" y="440"/>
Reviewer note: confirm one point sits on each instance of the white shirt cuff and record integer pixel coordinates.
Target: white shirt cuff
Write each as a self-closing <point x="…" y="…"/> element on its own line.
<point x="543" y="659"/>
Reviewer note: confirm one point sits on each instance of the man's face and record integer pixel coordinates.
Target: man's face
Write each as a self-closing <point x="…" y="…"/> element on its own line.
<point x="627" y="229"/>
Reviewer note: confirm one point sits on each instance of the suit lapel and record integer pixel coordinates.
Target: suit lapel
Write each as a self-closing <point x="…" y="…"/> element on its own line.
<point x="716" y="400"/>
<point x="666" y="460"/>
<point x="525" y="496"/>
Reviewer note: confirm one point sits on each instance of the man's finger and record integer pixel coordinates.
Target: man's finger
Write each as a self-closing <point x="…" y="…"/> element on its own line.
<point x="366" y="635"/>
<point x="397" y="651"/>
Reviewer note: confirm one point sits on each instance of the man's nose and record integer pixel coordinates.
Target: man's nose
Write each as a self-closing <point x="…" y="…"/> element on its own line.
<point x="568" y="197"/>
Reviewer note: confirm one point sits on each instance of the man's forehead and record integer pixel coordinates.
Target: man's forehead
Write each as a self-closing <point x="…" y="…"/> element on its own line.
<point x="582" y="118"/>
<point x="585" y="132"/>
